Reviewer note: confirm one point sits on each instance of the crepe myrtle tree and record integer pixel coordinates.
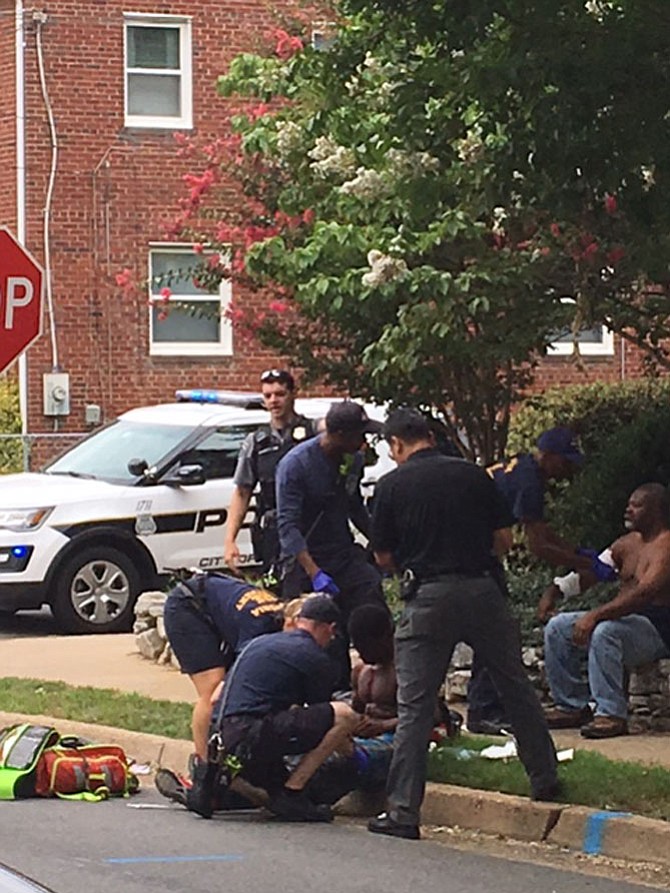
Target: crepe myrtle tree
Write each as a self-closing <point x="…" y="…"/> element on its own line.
<point x="416" y="196"/>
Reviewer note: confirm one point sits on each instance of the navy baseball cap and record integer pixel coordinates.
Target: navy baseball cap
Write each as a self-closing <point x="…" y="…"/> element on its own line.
<point x="560" y="440"/>
<point x="320" y="608"/>
<point x="349" y="417"/>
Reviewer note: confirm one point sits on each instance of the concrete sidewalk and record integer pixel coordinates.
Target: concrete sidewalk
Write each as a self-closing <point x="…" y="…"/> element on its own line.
<point x="114" y="662"/>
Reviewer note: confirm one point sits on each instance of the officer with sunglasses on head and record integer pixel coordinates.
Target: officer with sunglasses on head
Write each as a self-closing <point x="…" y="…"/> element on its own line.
<point x="258" y="460"/>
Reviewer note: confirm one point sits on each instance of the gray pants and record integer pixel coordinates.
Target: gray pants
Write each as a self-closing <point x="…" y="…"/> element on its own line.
<point x="459" y="609"/>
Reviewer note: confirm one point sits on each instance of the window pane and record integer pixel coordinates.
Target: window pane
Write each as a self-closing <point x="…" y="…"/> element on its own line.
<point x="167" y="265"/>
<point x="585" y="336"/>
<point x="153" y="47"/>
<point x="107" y="452"/>
<point x="154" y="95"/>
<point x="218" y="452"/>
<point x="181" y="326"/>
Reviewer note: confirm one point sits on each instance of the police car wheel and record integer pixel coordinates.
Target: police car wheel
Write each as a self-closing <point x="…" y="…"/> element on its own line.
<point x="95" y="591"/>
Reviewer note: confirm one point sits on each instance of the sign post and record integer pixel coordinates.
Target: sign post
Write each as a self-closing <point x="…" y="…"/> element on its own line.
<point x="21" y="297"/>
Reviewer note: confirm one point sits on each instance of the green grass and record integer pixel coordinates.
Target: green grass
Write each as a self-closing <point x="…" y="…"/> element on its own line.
<point x="589" y="779"/>
<point x="102" y="706"/>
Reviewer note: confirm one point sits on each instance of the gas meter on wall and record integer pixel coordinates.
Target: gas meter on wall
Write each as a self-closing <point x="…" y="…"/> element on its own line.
<point x="56" y="393"/>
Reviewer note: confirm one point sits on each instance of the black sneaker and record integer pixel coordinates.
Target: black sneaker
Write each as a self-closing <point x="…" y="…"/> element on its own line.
<point x="295" y="806"/>
<point x="384" y="824"/>
<point x="489" y="727"/>
<point x="171" y="786"/>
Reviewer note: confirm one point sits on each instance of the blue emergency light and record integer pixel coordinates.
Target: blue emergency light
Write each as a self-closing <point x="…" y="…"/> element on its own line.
<point x="222" y="398"/>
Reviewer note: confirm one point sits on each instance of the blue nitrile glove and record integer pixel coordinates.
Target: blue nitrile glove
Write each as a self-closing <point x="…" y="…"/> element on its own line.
<point x="323" y="582"/>
<point x="605" y="573"/>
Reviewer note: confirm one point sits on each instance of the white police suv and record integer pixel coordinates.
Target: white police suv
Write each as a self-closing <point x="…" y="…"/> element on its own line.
<point x="143" y="495"/>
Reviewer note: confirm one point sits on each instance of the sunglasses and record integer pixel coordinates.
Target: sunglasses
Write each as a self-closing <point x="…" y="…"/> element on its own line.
<point x="279" y="375"/>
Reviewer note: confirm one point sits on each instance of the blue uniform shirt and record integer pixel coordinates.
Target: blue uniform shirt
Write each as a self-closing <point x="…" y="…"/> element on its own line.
<point x="521" y="484"/>
<point x="239" y="612"/>
<point x="276" y="671"/>
<point x="313" y="502"/>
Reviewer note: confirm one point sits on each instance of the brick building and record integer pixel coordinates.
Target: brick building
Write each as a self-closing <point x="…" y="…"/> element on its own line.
<point x="92" y="94"/>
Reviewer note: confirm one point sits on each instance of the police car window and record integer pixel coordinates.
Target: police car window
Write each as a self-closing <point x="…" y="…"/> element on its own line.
<point x="106" y="453"/>
<point x="218" y="452"/>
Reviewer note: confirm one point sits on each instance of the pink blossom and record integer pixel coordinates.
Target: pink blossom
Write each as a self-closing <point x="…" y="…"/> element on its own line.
<point x="198" y="248"/>
<point x="213" y="261"/>
<point x="615" y="255"/>
<point x="590" y="250"/>
<point x="165" y="294"/>
<point x="555" y="230"/>
<point x="308" y="216"/>
<point x="286" y="45"/>
<point x="610" y="203"/>
<point x="124" y="278"/>
<point x="278" y="306"/>
<point x="162" y="315"/>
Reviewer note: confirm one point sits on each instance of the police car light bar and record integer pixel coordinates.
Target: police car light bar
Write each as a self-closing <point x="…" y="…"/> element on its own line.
<point x="223" y="398"/>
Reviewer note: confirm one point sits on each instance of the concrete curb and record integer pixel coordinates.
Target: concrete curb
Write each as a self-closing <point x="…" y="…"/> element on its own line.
<point x="578" y="828"/>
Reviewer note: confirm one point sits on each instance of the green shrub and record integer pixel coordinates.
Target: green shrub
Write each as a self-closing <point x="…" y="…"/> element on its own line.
<point x="11" y="457"/>
<point x="624" y="430"/>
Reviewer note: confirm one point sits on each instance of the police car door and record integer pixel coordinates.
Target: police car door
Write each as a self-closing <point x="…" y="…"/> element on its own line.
<point x="184" y="523"/>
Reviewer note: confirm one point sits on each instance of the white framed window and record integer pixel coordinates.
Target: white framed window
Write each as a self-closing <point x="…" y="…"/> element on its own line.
<point x="593" y="342"/>
<point x="192" y="321"/>
<point x="158" y="71"/>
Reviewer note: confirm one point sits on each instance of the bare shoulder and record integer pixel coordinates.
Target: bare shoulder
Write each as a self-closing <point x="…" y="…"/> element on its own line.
<point x="625" y="545"/>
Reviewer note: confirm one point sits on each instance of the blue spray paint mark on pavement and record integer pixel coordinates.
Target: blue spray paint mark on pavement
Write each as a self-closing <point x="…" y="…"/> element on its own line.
<point x="136" y="860"/>
<point x="595" y="829"/>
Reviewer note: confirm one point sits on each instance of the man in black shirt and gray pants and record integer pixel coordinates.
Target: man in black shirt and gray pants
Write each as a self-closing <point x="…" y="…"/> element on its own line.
<point x="438" y="520"/>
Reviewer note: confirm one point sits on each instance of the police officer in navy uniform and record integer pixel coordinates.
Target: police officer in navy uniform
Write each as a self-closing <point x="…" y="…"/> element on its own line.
<point x="257" y="463"/>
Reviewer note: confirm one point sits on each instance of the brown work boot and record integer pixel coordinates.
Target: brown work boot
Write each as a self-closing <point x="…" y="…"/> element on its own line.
<point x="605" y="727"/>
<point x="557" y="718"/>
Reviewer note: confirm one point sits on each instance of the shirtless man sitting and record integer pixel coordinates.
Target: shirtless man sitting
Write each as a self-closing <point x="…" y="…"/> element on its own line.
<point x="631" y="629"/>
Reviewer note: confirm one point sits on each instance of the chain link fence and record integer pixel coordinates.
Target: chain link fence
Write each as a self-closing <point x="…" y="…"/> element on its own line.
<point x="30" y="452"/>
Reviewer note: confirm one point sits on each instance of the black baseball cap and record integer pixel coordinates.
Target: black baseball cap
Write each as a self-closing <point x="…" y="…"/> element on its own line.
<point x="320" y="608"/>
<point x="348" y="417"/>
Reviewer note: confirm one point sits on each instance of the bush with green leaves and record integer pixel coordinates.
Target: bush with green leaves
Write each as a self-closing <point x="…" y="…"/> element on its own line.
<point x="624" y="430"/>
<point x="10" y="423"/>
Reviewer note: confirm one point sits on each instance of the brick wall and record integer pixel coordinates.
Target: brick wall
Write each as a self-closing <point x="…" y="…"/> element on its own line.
<point x="115" y="189"/>
<point x="7" y="116"/>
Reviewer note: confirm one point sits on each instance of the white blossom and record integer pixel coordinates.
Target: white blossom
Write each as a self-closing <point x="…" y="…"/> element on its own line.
<point x="600" y="8"/>
<point x="648" y="175"/>
<point x="289" y="138"/>
<point x="367" y="184"/>
<point x="402" y="164"/>
<point x="471" y="148"/>
<point x="383" y="268"/>
<point x="331" y="159"/>
<point x="499" y="217"/>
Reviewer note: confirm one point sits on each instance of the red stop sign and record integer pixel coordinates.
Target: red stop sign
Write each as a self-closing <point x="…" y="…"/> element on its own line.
<point x="21" y="285"/>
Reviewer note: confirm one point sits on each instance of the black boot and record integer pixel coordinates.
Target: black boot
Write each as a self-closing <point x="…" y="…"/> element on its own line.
<point x="200" y="798"/>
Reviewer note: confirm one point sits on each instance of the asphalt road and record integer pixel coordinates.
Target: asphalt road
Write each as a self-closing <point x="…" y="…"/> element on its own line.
<point x="116" y="846"/>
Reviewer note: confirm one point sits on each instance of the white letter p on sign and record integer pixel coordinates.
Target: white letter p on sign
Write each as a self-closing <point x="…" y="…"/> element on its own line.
<point x="19" y="294"/>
